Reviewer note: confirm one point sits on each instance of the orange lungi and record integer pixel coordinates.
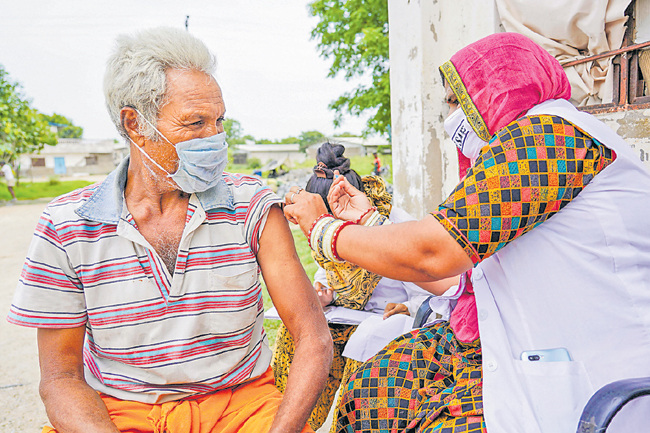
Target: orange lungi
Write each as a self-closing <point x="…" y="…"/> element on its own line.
<point x="246" y="408"/>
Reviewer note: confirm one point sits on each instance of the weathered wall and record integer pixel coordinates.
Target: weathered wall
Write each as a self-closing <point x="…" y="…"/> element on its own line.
<point x="423" y="35"/>
<point x="634" y="127"/>
<point x="424" y="159"/>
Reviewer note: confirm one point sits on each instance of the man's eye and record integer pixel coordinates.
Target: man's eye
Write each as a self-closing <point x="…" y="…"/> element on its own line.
<point x="221" y="119"/>
<point x="198" y="123"/>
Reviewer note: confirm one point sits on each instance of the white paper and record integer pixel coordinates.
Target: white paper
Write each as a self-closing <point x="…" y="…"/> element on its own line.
<point x="339" y="315"/>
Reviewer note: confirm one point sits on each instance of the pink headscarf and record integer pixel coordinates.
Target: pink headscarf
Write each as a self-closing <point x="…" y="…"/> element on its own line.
<point x="506" y="74"/>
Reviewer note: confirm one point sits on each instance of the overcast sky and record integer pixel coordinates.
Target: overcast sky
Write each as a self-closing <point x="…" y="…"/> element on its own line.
<point x="273" y="81"/>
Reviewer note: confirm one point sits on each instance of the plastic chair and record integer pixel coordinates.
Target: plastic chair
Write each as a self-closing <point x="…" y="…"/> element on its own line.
<point x="608" y="401"/>
<point x="421" y="316"/>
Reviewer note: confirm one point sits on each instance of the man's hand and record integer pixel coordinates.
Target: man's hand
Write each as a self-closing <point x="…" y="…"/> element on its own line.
<point x="392" y="308"/>
<point x="347" y="202"/>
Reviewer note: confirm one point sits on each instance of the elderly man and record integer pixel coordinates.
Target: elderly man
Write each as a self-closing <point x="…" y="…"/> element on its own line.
<point x="145" y="289"/>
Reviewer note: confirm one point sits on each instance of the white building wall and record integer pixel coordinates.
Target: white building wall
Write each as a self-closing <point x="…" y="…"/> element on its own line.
<point x="425" y="163"/>
<point x="423" y="35"/>
<point x="265" y="157"/>
<point x="634" y="127"/>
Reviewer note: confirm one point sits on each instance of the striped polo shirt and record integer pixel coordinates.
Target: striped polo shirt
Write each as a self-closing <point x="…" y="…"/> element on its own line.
<point x="152" y="336"/>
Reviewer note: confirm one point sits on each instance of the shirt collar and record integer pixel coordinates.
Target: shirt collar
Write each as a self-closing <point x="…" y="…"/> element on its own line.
<point x="106" y="203"/>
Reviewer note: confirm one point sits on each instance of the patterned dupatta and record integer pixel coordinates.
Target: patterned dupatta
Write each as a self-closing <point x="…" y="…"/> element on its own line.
<point x="500" y="77"/>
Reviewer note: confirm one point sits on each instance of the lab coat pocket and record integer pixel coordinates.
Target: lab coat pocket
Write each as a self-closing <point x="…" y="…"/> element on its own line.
<point x="556" y="391"/>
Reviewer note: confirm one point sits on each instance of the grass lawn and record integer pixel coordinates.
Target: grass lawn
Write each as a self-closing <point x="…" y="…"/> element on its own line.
<point x="32" y="191"/>
<point x="304" y="252"/>
<point x="361" y="164"/>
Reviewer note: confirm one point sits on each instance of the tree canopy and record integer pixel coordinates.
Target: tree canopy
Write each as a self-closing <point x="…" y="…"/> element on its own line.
<point x="308" y="138"/>
<point x="354" y="34"/>
<point x="65" y="127"/>
<point x="22" y="128"/>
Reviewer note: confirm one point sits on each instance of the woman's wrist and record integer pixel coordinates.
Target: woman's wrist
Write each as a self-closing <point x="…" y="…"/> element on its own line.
<point x="366" y="215"/>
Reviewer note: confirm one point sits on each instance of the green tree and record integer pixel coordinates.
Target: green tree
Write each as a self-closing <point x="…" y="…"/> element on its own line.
<point x="307" y="138"/>
<point x="65" y="127"/>
<point x="289" y="140"/>
<point x="22" y="128"/>
<point x="234" y="132"/>
<point x="354" y="34"/>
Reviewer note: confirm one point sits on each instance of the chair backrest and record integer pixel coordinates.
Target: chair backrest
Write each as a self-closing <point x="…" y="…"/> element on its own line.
<point x="422" y="314"/>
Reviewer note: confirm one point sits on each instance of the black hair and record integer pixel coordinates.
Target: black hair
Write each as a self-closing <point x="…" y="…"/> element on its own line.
<point x="329" y="158"/>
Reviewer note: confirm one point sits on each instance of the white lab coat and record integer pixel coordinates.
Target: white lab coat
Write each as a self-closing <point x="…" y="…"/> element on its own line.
<point x="581" y="280"/>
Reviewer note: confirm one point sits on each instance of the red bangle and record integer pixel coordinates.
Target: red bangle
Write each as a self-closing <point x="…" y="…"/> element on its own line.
<point x="372" y="209"/>
<point x="335" y="238"/>
<point x="314" y="225"/>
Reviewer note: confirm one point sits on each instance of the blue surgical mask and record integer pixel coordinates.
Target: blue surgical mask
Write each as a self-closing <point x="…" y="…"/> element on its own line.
<point x="201" y="161"/>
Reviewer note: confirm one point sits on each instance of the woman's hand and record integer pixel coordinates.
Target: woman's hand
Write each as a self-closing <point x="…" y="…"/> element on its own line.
<point x="303" y="208"/>
<point x="347" y="202"/>
<point x="392" y="308"/>
<point x="325" y="294"/>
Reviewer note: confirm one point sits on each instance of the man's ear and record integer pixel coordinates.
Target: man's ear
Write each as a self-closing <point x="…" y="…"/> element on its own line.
<point x="129" y="121"/>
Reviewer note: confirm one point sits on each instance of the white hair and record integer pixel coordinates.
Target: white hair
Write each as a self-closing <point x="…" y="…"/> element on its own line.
<point x="136" y="72"/>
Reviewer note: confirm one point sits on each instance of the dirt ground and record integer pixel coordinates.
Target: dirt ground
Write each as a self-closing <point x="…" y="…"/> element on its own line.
<point x="21" y="409"/>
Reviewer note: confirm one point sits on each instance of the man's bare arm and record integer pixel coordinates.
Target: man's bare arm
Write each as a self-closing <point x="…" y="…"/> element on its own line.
<point x="298" y="306"/>
<point x="72" y="406"/>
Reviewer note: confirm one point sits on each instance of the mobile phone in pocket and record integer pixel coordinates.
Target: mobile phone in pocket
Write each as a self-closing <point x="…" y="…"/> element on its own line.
<point x="559" y="354"/>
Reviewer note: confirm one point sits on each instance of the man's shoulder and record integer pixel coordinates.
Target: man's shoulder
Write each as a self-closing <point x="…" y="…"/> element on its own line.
<point x="245" y="187"/>
<point x="66" y="204"/>
<point x="238" y="180"/>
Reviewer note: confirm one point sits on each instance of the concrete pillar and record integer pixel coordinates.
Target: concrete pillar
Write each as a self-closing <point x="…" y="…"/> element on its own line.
<point x="423" y="35"/>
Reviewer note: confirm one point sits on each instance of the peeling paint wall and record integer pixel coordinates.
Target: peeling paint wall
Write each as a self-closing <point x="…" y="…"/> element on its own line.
<point x="634" y="127"/>
<point x="425" y="167"/>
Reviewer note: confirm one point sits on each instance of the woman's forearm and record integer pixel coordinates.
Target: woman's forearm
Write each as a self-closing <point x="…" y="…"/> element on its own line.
<point x="411" y="251"/>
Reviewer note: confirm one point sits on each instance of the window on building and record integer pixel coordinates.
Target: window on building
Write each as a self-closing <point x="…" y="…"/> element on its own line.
<point x="38" y="162"/>
<point x="91" y="160"/>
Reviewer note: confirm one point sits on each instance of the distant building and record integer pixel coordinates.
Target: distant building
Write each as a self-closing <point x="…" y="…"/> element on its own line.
<point x="285" y="153"/>
<point x="74" y="156"/>
<point x="354" y="146"/>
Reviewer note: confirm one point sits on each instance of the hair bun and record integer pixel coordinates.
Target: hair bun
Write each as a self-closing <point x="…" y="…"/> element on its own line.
<point x="329" y="158"/>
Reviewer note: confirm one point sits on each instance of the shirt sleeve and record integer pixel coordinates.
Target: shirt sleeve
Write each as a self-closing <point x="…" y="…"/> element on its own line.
<point x="49" y="292"/>
<point x="533" y="168"/>
<point x="256" y="215"/>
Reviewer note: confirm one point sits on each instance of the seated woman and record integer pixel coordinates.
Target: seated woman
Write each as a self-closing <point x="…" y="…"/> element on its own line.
<point x="349" y="286"/>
